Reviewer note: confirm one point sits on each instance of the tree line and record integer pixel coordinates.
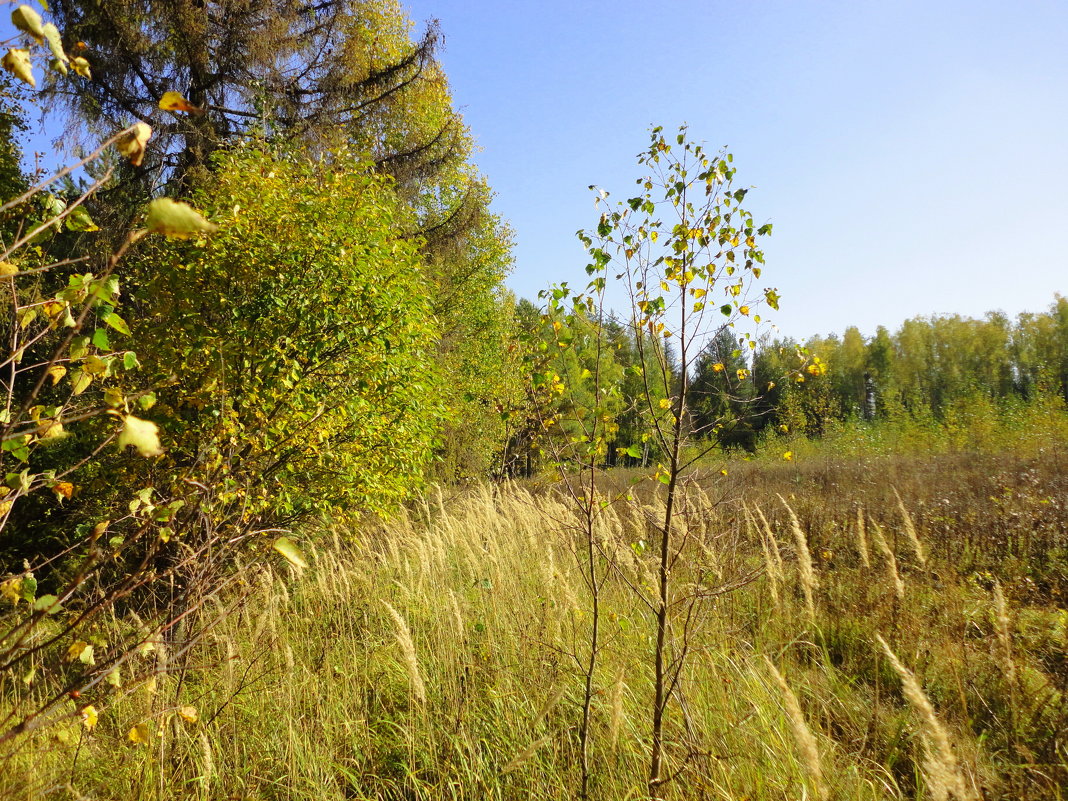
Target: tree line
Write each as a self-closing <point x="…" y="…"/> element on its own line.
<point x="743" y="391"/>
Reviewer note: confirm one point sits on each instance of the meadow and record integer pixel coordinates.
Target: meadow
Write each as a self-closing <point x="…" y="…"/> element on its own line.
<point x="882" y="628"/>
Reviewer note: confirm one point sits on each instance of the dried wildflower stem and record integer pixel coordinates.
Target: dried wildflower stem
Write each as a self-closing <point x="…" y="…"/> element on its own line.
<point x="910" y="531"/>
<point x="809" y="583"/>
<point x="862" y="539"/>
<point x="407" y="646"/>
<point x="806" y="742"/>
<point x="771" y="569"/>
<point x="940" y="768"/>
<point x="891" y="560"/>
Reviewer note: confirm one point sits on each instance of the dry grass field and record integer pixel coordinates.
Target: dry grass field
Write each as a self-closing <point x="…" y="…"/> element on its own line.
<point x="890" y="628"/>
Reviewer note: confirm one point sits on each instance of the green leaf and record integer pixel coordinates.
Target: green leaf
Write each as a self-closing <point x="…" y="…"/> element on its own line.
<point x="100" y="339"/>
<point x="176" y="220"/>
<point x="117" y="323"/>
<point x="290" y="551"/>
<point x="634" y="452"/>
<point x="29" y="589"/>
<point x="79" y="346"/>
<point x="79" y="220"/>
<point x="726" y="309"/>
<point x="55" y="44"/>
<point x="80" y="381"/>
<point x="48" y="604"/>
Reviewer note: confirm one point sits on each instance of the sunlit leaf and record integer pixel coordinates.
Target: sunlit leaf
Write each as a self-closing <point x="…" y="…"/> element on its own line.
<point x="188" y="714"/>
<point x="290" y="551"/>
<point x="173" y="101"/>
<point x="28" y="21"/>
<point x="116" y="322"/>
<point x="81" y="66"/>
<point x="79" y="220"/>
<point x="132" y="144"/>
<point x="17" y="62"/>
<point x="175" y="219"/>
<point x="56" y="373"/>
<point x="55" y="44"/>
<point x="8" y="269"/>
<point x="11" y="590"/>
<point x="89" y="716"/>
<point x="48" y="604"/>
<point x="139" y="734"/>
<point x="80" y="381"/>
<point x="141" y="434"/>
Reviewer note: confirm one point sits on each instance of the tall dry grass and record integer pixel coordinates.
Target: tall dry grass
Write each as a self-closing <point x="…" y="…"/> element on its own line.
<point x="438" y="656"/>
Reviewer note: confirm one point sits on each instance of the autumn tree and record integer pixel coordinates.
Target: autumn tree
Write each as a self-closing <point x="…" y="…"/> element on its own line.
<point x="329" y="75"/>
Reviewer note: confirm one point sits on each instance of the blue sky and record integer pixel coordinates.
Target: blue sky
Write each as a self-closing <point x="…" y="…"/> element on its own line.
<point x="913" y="156"/>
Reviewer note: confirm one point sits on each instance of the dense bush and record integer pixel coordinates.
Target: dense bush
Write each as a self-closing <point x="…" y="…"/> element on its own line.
<point x="296" y="345"/>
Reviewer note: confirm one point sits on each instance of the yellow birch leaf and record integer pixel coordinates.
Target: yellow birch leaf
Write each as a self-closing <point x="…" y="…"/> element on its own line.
<point x="63" y="489"/>
<point x="55" y="44"/>
<point x="7" y="268"/>
<point x="80" y="381"/>
<point x="75" y="651"/>
<point x="51" y="430"/>
<point x="81" y="66"/>
<point x="114" y="677"/>
<point x="56" y="372"/>
<point x="17" y="62"/>
<point x="139" y="734"/>
<point x="290" y="551"/>
<point x="173" y="101"/>
<point x="11" y="590"/>
<point x="188" y="714"/>
<point x="132" y="144"/>
<point x="28" y="21"/>
<point x="141" y="434"/>
<point x="94" y="365"/>
<point x="89" y="716"/>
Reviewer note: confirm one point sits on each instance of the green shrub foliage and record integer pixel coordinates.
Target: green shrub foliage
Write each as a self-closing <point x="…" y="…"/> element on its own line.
<point x="295" y="348"/>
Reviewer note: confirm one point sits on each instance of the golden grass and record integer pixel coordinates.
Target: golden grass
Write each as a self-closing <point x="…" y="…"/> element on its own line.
<point x="438" y="656"/>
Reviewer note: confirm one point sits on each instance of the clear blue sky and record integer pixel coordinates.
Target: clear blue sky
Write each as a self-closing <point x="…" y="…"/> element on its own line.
<point x="913" y="156"/>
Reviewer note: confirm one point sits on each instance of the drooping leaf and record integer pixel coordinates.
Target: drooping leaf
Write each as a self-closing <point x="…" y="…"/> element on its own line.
<point x="290" y="551"/>
<point x="28" y="21"/>
<point x="117" y="323"/>
<point x="56" y="372"/>
<point x="176" y="219"/>
<point x="132" y="144"/>
<point x="173" y="101"/>
<point x="79" y="220"/>
<point x="55" y="44"/>
<point x="17" y="62"/>
<point x="81" y="66"/>
<point x="8" y="269"/>
<point x="141" y="434"/>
